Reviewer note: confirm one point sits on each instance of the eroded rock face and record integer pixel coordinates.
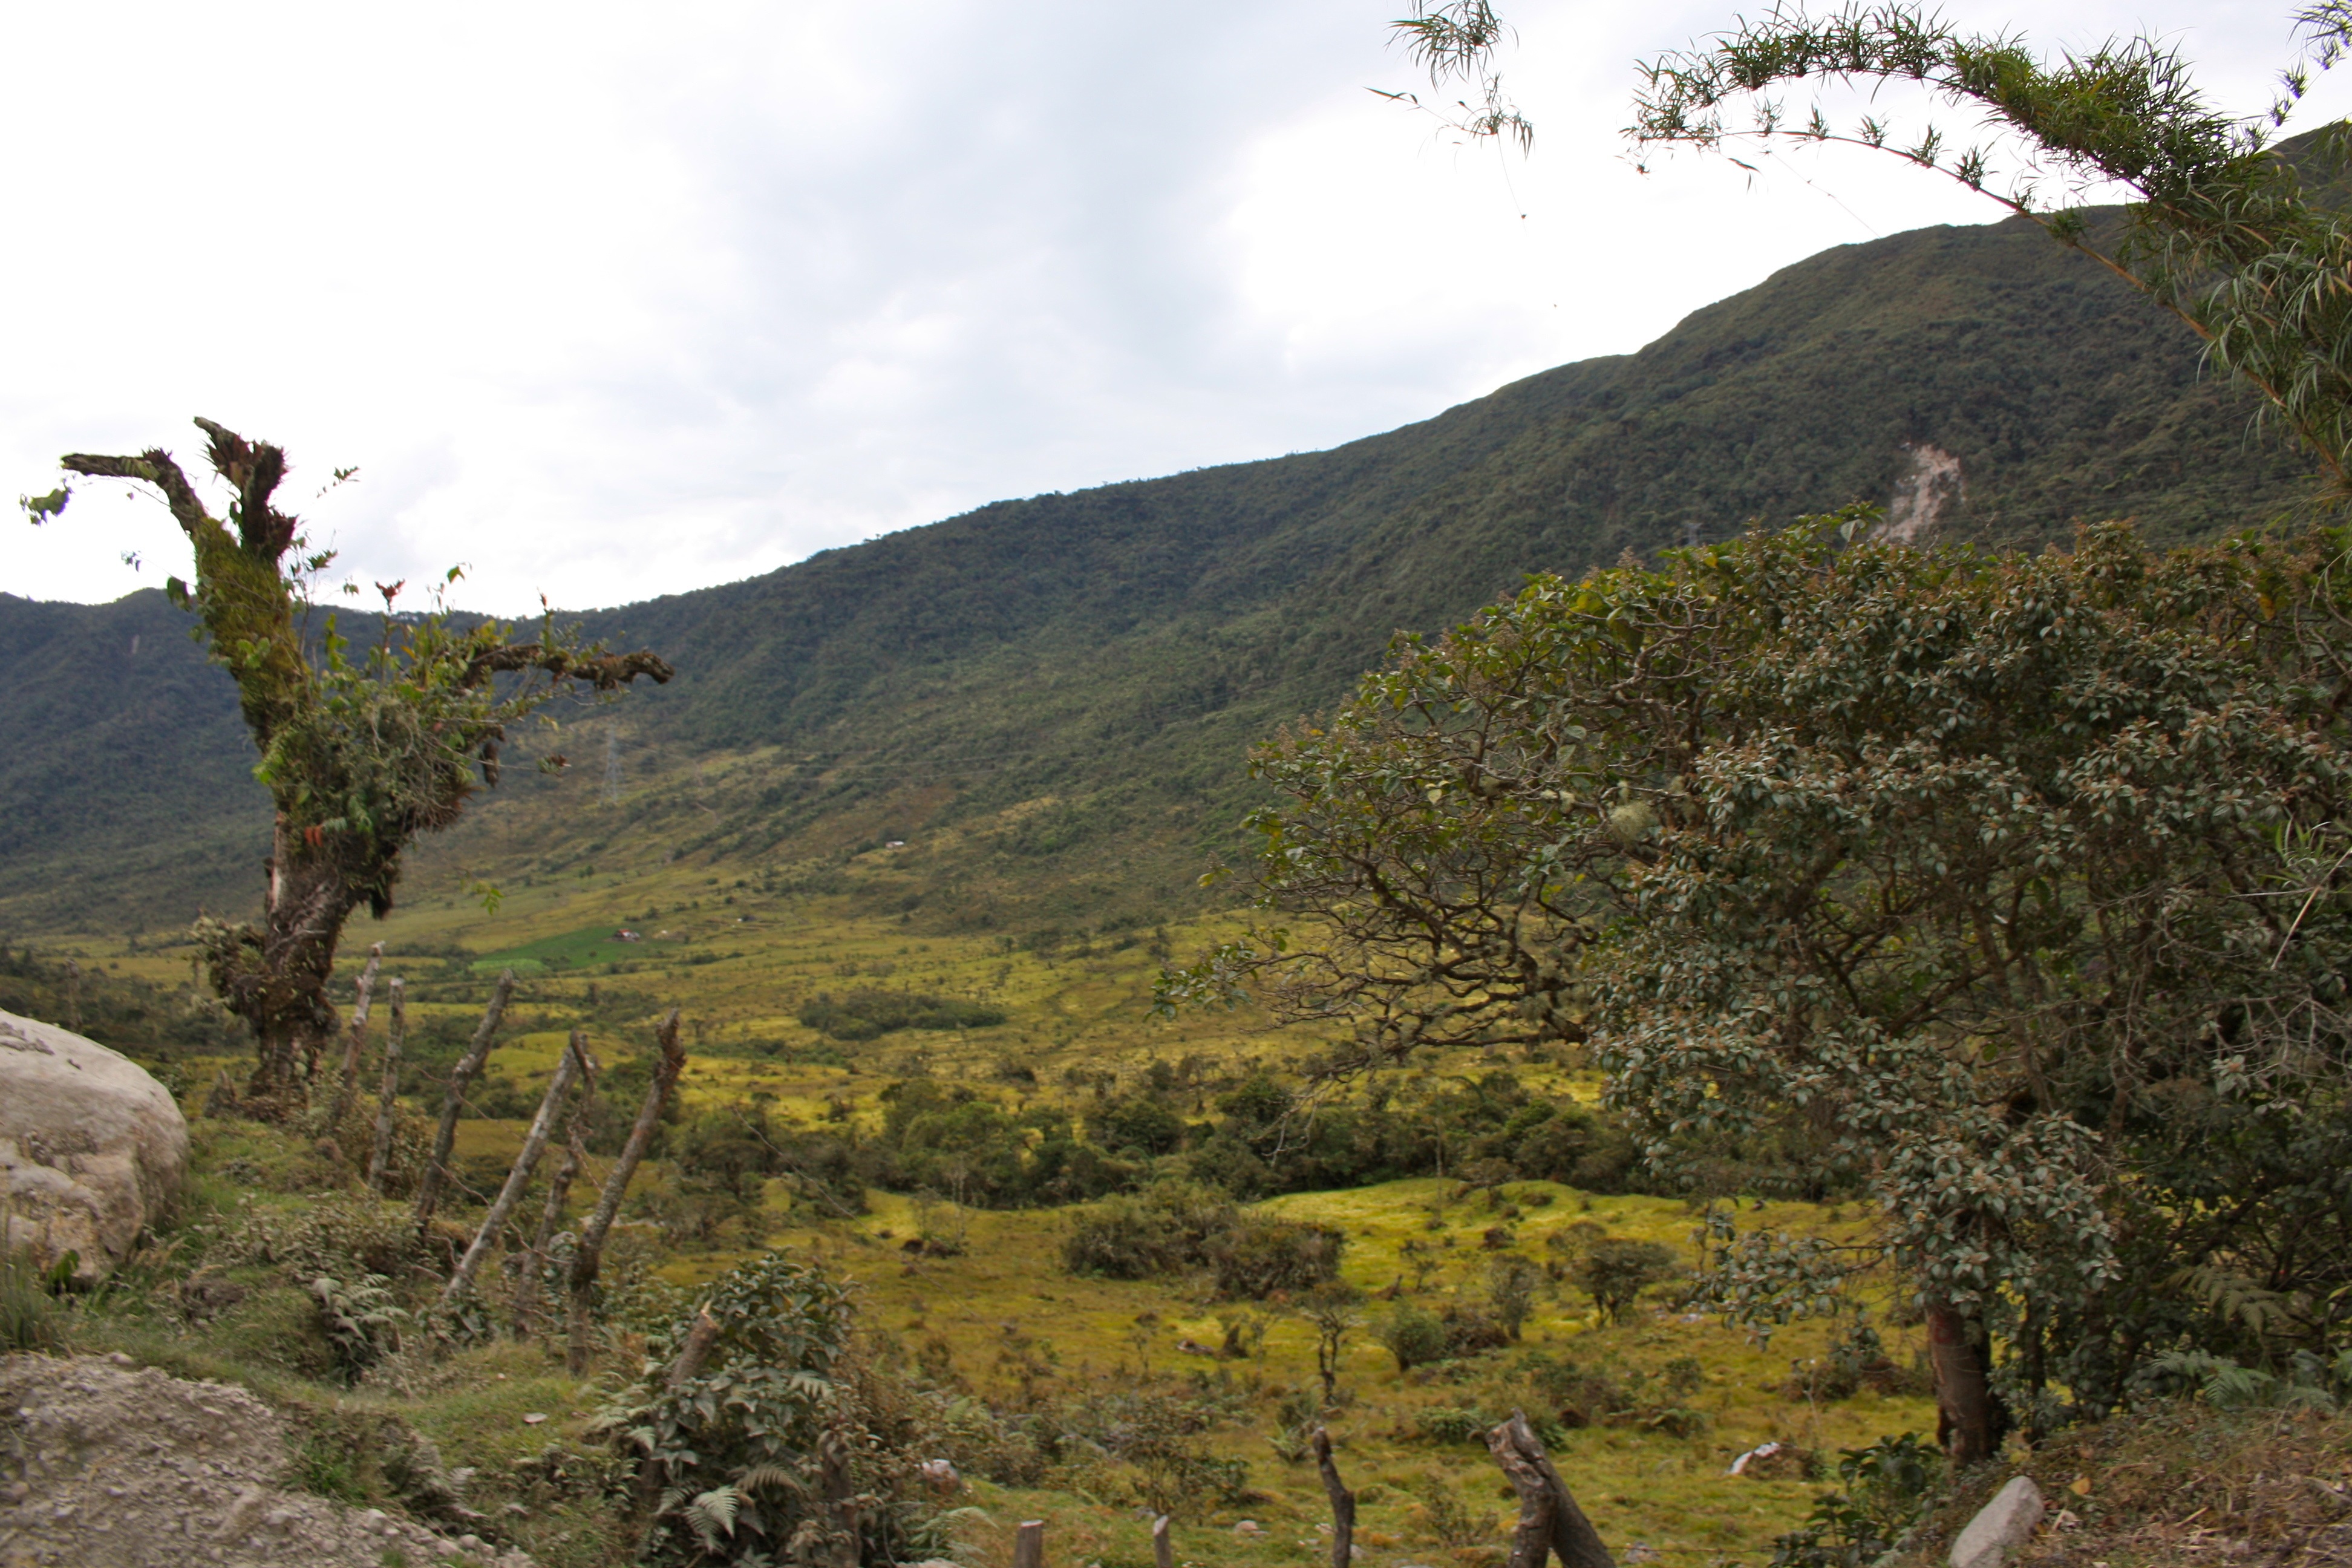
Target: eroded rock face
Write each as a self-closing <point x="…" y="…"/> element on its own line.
<point x="91" y="1146"/>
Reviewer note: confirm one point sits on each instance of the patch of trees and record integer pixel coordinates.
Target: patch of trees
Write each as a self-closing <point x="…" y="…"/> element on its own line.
<point x="1180" y="1227"/>
<point x="869" y="1015"/>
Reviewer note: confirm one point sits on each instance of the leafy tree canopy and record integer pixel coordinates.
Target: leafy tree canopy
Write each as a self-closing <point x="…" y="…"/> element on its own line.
<point x="2006" y="885"/>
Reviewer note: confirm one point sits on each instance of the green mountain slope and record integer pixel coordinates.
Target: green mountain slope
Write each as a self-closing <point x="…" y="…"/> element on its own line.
<point x="1065" y="685"/>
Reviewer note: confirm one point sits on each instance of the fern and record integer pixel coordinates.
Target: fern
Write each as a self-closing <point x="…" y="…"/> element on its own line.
<point x="712" y="1515"/>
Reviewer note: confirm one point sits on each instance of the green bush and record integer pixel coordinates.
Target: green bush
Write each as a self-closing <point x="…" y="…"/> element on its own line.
<point x="1142" y="1124"/>
<point x="1165" y="1229"/>
<point x="1257" y="1258"/>
<point x="1615" y="1272"/>
<point x="1414" y="1336"/>
<point x="785" y="1443"/>
<point x="1887" y="1485"/>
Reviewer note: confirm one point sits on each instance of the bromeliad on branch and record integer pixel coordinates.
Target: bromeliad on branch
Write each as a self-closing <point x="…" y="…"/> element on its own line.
<point x="361" y="753"/>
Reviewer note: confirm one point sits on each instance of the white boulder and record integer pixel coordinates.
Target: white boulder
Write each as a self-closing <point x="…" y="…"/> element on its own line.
<point x="2000" y="1527"/>
<point x="91" y="1146"/>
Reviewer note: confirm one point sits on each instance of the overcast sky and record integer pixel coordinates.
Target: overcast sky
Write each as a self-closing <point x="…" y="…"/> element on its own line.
<point x="612" y="300"/>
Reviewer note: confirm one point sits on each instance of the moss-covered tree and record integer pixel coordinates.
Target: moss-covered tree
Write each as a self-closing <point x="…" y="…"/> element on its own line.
<point x="360" y="755"/>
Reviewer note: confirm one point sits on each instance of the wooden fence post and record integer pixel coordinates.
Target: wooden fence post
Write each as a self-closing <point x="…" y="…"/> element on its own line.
<point x="436" y="1168"/>
<point x="1029" y="1545"/>
<point x="1163" y="1550"/>
<point x="381" y="1158"/>
<point x="588" y="1256"/>
<point x="550" y="1105"/>
<point x="1549" y="1516"/>
<point x="1343" y="1507"/>
<point x="347" y="1086"/>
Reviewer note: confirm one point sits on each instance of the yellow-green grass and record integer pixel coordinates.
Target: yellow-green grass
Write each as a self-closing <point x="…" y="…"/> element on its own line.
<point x="1005" y="1306"/>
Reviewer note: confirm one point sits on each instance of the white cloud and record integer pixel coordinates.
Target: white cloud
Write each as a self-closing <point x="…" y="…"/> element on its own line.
<point x="610" y="301"/>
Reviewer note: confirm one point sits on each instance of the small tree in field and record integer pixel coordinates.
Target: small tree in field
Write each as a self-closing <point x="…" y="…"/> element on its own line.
<point x="360" y="755"/>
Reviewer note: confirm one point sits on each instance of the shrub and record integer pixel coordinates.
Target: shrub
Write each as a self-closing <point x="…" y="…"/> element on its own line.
<point x="1414" y="1336"/>
<point x="1615" y="1272"/>
<point x="1511" y="1284"/>
<point x="1142" y="1124"/>
<point x="1256" y="1258"/>
<point x="1470" y="1330"/>
<point x="360" y="1318"/>
<point x="785" y="1442"/>
<point x="1887" y="1485"/>
<point x="1165" y="1229"/>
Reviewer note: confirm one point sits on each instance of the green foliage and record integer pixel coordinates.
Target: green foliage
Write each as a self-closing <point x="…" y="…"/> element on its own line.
<point x="1259" y="1256"/>
<point x="1414" y="1336"/>
<point x="1615" y="1272"/>
<point x="1888" y="1486"/>
<point x="1177" y="1228"/>
<point x="2306" y="1381"/>
<point x="1511" y="1285"/>
<point x="784" y="1444"/>
<point x="32" y="1318"/>
<point x="1971" y="879"/>
<point x="361" y="1318"/>
<point x="869" y="1014"/>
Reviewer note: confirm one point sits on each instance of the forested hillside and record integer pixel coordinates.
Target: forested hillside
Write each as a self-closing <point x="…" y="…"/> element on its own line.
<point x="1075" y="676"/>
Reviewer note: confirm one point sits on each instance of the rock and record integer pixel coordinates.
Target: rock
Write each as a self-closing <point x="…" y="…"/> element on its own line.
<point x="91" y="1146"/>
<point x="2000" y="1527"/>
<point x="131" y="1497"/>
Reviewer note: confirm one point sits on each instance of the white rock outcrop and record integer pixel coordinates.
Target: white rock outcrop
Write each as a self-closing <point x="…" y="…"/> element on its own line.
<point x="2000" y="1527"/>
<point x="91" y="1147"/>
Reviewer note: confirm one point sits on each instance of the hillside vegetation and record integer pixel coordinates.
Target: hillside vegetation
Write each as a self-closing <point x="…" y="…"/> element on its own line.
<point x="1067" y="683"/>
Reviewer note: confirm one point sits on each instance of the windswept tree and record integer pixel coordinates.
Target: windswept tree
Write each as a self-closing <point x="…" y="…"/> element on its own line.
<point x="362" y="753"/>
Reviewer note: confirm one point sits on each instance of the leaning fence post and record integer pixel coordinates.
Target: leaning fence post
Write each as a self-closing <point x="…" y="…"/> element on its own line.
<point x="1343" y="1507"/>
<point x="380" y="1159"/>
<point x="550" y="1106"/>
<point x="1029" y="1545"/>
<point x="1163" y="1550"/>
<point x="1548" y="1516"/>
<point x="347" y="1086"/>
<point x="437" y="1164"/>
